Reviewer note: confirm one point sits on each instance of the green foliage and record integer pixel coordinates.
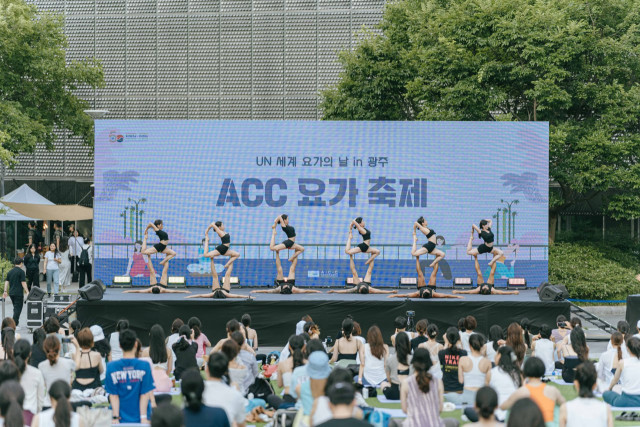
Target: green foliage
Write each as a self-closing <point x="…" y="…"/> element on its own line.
<point x="37" y="83"/>
<point x="5" y="266"/>
<point x="594" y="271"/>
<point x="573" y="64"/>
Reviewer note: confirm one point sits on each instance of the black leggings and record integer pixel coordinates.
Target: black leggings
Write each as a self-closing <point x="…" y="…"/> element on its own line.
<point x="276" y="401"/>
<point x="392" y="392"/>
<point x="33" y="278"/>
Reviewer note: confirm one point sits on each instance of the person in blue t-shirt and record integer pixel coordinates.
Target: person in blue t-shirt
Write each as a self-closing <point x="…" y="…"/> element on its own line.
<point x="129" y="382"/>
<point x="196" y="413"/>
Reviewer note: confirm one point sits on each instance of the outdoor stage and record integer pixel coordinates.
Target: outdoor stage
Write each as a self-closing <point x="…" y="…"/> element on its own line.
<point x="274" y="316"/>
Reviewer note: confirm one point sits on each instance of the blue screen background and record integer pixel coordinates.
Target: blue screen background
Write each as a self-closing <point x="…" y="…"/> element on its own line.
<point x="191" y="173"/>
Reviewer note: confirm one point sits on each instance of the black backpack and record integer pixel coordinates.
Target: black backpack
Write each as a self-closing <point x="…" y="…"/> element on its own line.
<point x="84" y="257"/>
<point x="260" y="388"/>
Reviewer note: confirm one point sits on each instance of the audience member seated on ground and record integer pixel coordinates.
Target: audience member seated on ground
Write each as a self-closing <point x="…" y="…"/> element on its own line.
<point x="449" y="362"/>
<point x="546" y="397"/>
<point x="562" y="330"/>
<point x="160" y="357"/>
<point x="515" y="340"/>
<point x="321" y="411"/>
<point x="585" y="410"/>
<point x="470" y="324"/>
<point x="247" y="359"/>
<point x="55" y="367"/>
<point x="573" y="353"/>
<point x="347" y="347"/>
<point x="218" y="394"/>
<point x="8" y="339"/>
<point x="543" y="349"/>
<point x="397" y="368"/>
<point x="422" y="395"/>
<point x="496" y="334"/>
<point x="31" y="380"/>
<point x="88" y="364"/>
<point x="237" y="371"/>
<point x="421" y="337"/>
<point x="637" y="335"/>
<point x="128" y="382"/>
<point x="60" y="413"/>
<point x="525" y="413"/>
<point x="114" y="339"/>
<point x="628" y="372"/>
<point x="196" y="413"/>
<point x="172" y="339"/>
<point x="37" y="352"/>
<point x="167" y="415"/>
<point x="250" y="334"/>
<point x="11" y="399"/>
<point x="357" y="333"/>
<point x="200" y="338"/>
<point x="232" y="326"/>
<point x="432" y="345"/>
<point x="285" y="372"/>
<point x="101" y="345"/>
<point x="473" y="371"/>
<point x="372" y="367"/>
<point x="300" y="375"/>
<point x="608" y="362"/>
<point x="624" y="328"/>
<point x="185" y="350"/>
<point x="400" y="323"/>
<point x="342" y="402"/>
<point x="318" y="370"/>
<point x="485" y="406"/>
<point x="527" y="336"/>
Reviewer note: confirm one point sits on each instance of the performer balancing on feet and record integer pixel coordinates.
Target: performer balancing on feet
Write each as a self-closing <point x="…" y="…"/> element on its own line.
<point x="363" y="247"/>
<point x="425" y="290"/>
<point x="160" y="247"/>
<point x="286" y="286"/>
<point x="361" y="286"/>
<point x="219" y="293"/>
<point x="430" y="246"/>
<point x="158" y="288"/>
<point x="485" y="233"/>
<point x="290" y="243"/>
<point x="221" y="250"/>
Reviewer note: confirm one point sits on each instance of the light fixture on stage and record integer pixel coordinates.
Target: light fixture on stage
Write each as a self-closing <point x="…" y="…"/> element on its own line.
<point x="408" y="281"/>
<point x="462" y="282"/>
<point x="349" y="281"/>
<point x="233" y="280"/>
<point x="177" y="282"/>
<point x="121" y="281"/>
<point x="517" y="283"/>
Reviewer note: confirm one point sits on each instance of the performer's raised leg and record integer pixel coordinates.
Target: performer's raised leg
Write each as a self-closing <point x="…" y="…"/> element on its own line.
<point x="480" y="279"/>
<point x="432" y="278"/>
<point x="279" y="274"/>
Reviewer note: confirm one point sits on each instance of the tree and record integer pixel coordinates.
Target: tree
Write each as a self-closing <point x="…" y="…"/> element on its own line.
<point x="573" y="64"/>
<point x="37" y="83"/>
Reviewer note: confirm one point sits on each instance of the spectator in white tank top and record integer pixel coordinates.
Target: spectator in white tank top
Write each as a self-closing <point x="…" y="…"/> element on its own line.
<point x="629" y="373"/>
<point x="543" y="349"/>
<point x="114" y="340"/>
<point x="372" y="372"/>
<point x="585" y="410"/>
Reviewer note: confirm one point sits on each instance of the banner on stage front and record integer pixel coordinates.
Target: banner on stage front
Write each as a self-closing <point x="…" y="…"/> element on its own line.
<point x="322" y="175"/>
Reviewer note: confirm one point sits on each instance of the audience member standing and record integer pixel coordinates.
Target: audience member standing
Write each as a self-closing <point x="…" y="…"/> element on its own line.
<point x="76" y="242"/>
<point x="15" y="286"/>
<point x="51" y="268"/>
<point x="85" y="260"/>
<point x="57" y="233"/>
<point x="35" y="235"/>
<point x="32" y="265"/>
<point x="65" y="264"/>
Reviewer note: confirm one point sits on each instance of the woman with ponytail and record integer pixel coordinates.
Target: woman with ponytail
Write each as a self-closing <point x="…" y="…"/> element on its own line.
<point x="61" y="413"/>
<point x="506" y="377"/>
<point x="8" y="336"/>
<point x="285" y="372"/>
<point x="450" y="361"/>
<point x="196" y="413"/>
<point x="199" y="338"/>
<point x="486" y="404"/>
<point x="609" y="360"/>
<point x="348" y="347"/>
<point x="496" y="334"/>
<point x="628" y="373"/>
<point x="397" y="367"/>
<point x="432" y="345"/>
<point x="585" y="410"/>
<point x="31" y="379"/>
<point x="422" y="395"/>
<point x="11" y="399"/>
<point x="55" y="367"/>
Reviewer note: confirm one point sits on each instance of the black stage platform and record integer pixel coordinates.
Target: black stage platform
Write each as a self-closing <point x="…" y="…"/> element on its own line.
<point x="274" y="315"/>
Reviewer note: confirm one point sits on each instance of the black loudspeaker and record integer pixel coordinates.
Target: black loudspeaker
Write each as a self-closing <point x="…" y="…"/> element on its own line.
<point x="35" y="294"/>
<point x="91" y="292"/>
<point x="99" y="283"/>
<point x="548" y="292"/>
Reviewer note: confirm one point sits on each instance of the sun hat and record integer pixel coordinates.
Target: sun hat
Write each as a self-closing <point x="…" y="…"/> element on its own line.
<point x="97" y="333"/>
<point x="318" y="365"/>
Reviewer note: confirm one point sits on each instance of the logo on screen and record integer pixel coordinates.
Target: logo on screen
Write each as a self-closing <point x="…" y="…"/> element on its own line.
<point x="114" y="136"/>
<point x="313" y="273"/>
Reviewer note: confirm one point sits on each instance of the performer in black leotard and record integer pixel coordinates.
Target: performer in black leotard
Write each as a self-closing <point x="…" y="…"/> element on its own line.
<point x="430" y="246"/>
<point x="219" y="293"/>
<point x="156" y="289"/>
<point x="485" y="233"/>
<point x="290" y="243"/>
<point x="221" y="250"/>
<point x="424" y="291"/>
<point x="286" y="286"/>
<point x="160" y="247"/>
<point x="485" y="289"/>
<point x="365" y="246"/>
<point x="361" y="286"/>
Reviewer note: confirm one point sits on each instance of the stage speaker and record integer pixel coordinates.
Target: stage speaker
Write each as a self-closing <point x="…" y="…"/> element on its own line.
<point x="553" y="292"/>
<point x="100" y="284"/>
<point x="35" y="294"/>
<point x="91" y="292"/>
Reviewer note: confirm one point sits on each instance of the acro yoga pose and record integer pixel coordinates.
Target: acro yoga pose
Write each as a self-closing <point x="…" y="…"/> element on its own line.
<point x="221" y="250"/>
<point x="424" y="291"/>
<point x="156" y="289"/>
<point x="160" y="247"/>
<point x="485" y="288"/>
<point x="485" y="233"/>
<point x="361" y="287"/>
<point x="365" y="246"/>
<point x="219" y="293"/>
<point x="430" y="246"/>
<point x="286" y="286"/>
<point x="290" y="243"/>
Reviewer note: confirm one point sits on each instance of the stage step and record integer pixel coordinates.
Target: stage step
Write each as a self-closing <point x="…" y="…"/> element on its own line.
<point x="591" y="318"/>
